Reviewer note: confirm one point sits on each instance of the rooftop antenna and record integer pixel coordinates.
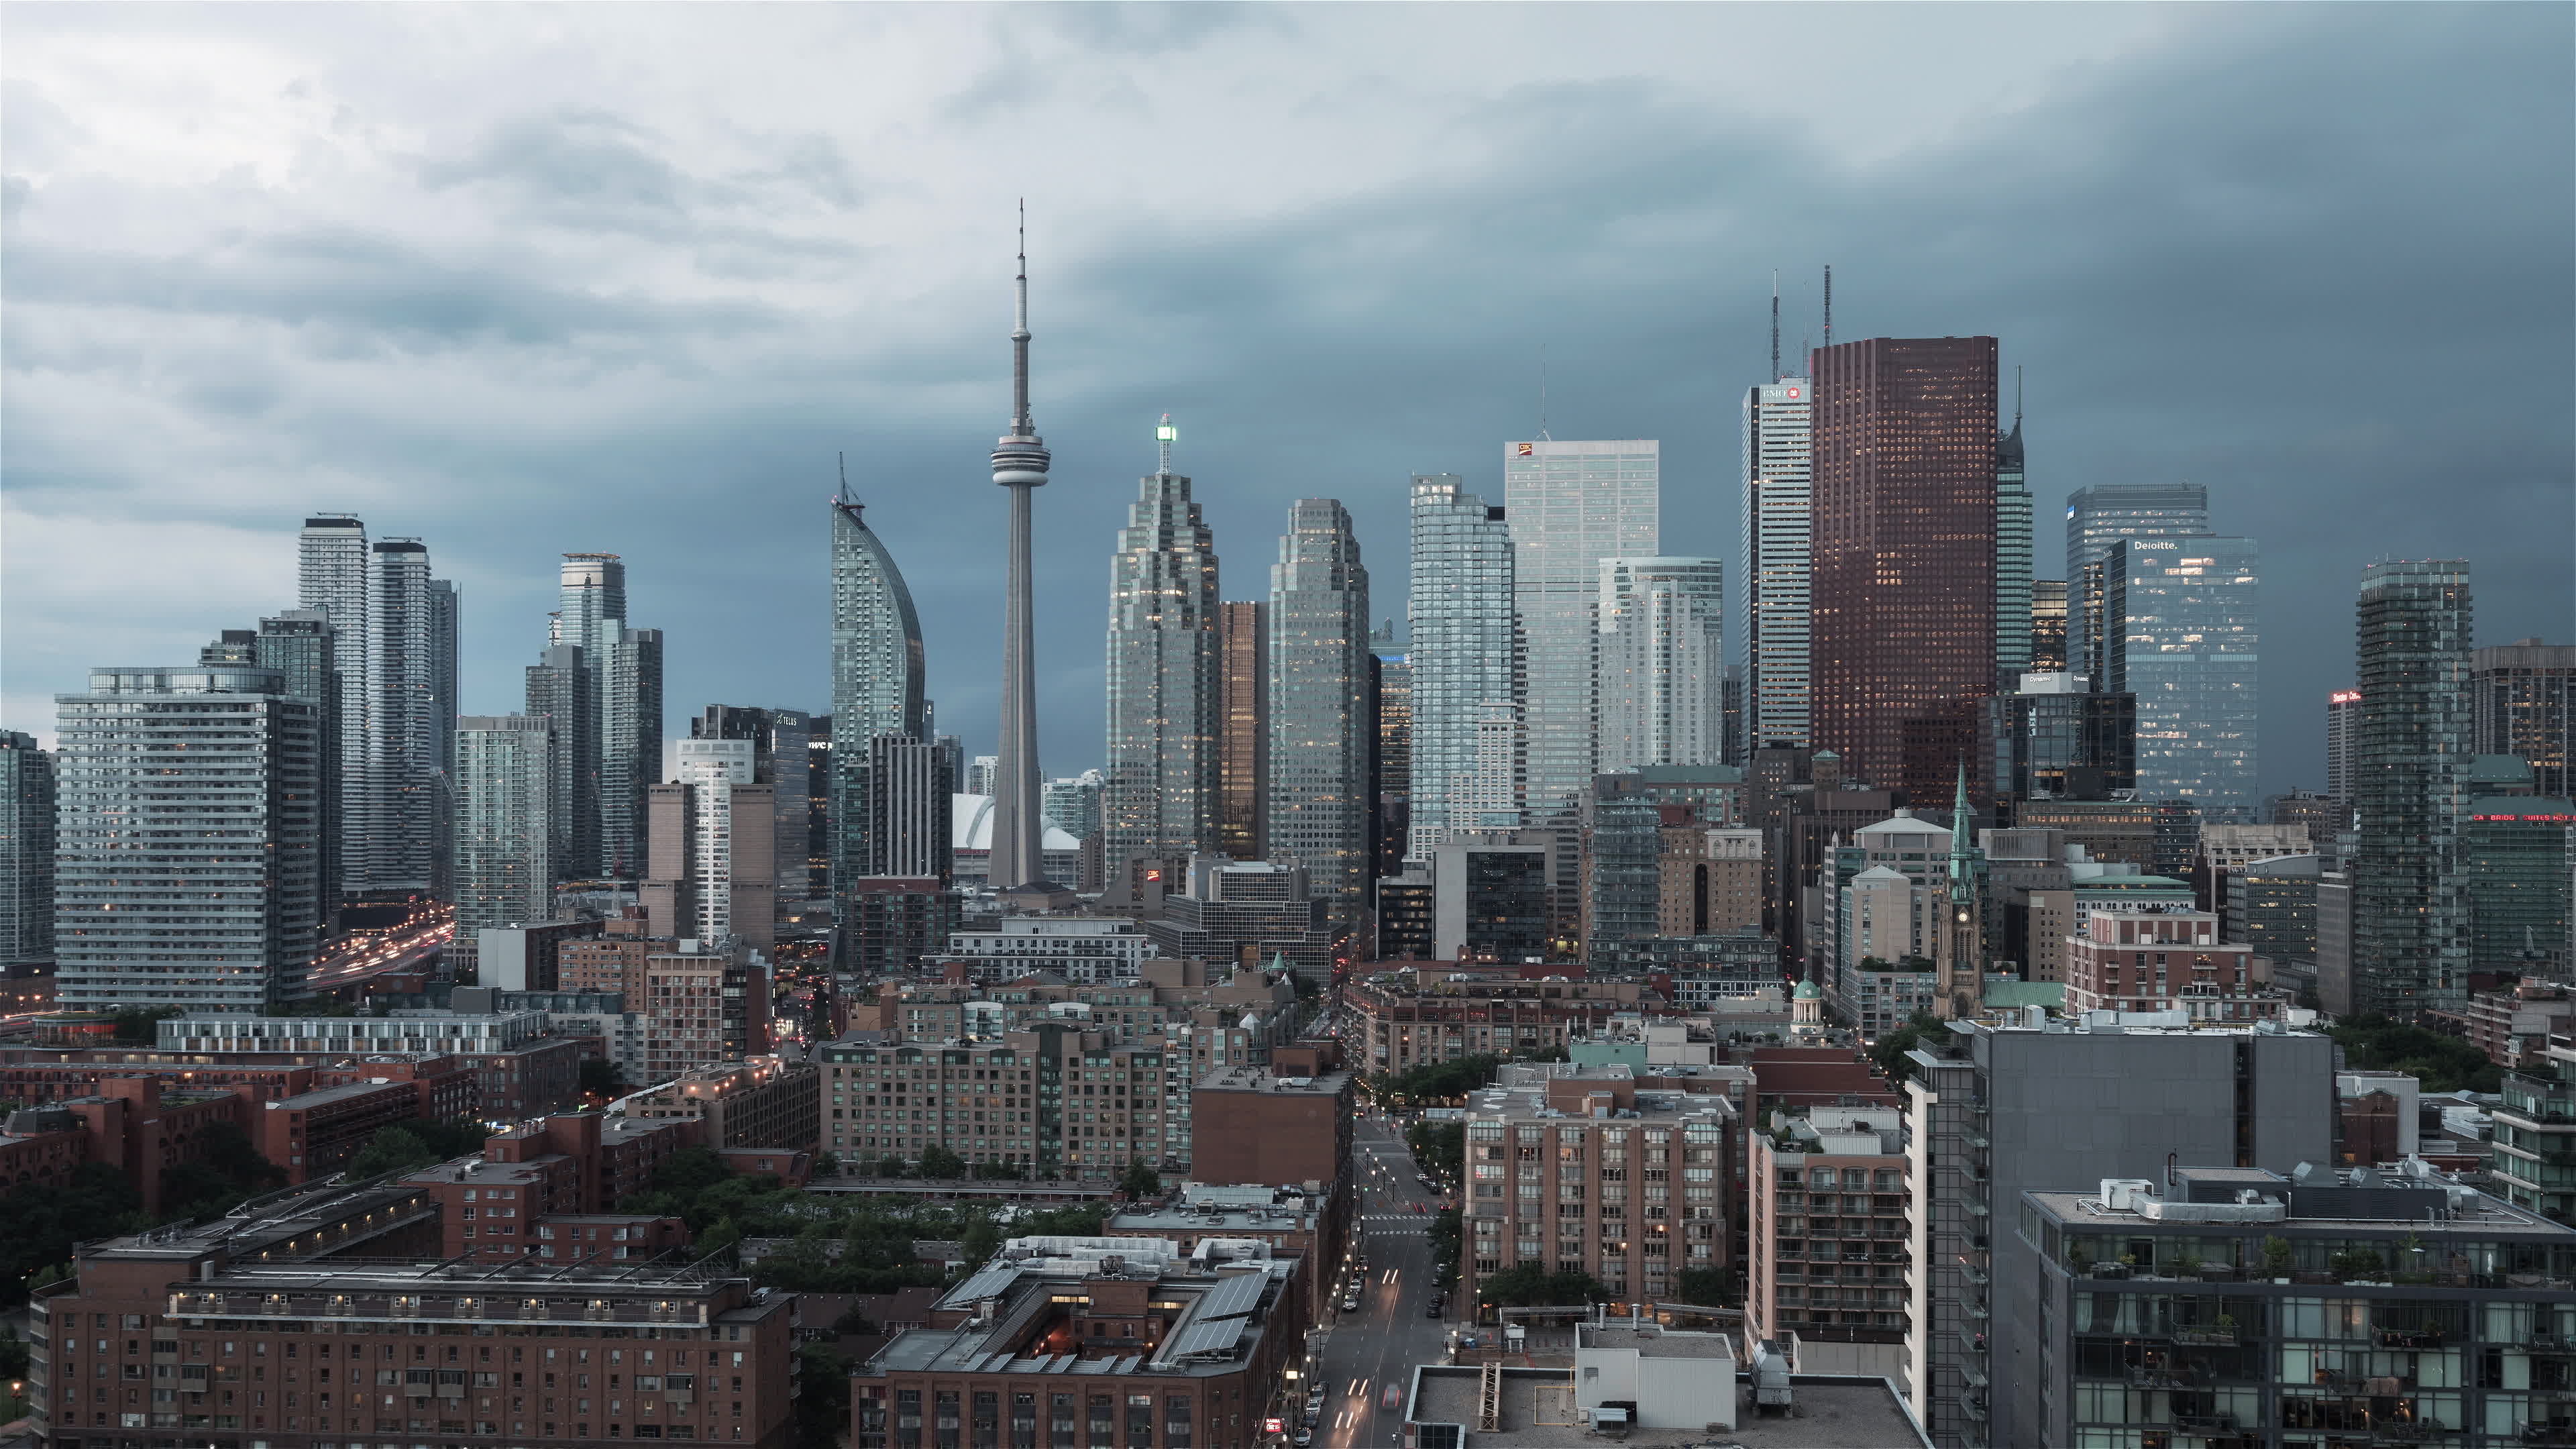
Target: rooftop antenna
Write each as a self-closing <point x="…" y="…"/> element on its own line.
<point x="1829" y="304"/>
<point x="1164" y="434"/>
<point x="844" y="495"/>
<point x="1775" y="324"/>
<point x="2016" y="397"/>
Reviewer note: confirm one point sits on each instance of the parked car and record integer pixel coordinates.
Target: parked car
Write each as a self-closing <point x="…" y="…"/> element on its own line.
<point x="1350" y="1303"/>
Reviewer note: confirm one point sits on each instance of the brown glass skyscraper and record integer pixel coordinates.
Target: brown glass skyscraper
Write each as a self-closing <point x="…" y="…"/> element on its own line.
<point x="1904" y="554"/>
<point x="1243" y="729"/>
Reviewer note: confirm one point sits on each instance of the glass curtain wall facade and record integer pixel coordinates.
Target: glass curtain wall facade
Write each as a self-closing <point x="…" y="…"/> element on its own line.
<point x="1160" y="794"/>
<point x="1465" y="657"/>
<point x="1772" y="579"/>
<point x="1321" y="723"/>
<point x="2012" y="561"/>
<point x="2183" y="634"/>
<point x="2524" y="703"/>
<point x="1904" y="634"/>
<point x="27" y="806"/>
<point x="876" y="684"/>
<point x="2411" y="755"/>
<point x="1571" y="505"/>
<point x="1660" y="661"/>
<point x="1243" y="747"/>
<point x="559" y="692"/>
<point x="2100" y="516"/>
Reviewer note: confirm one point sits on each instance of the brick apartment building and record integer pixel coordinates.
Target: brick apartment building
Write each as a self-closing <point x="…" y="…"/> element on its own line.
<point x="255" y="1334"/>
<point x="1049" y="1099"/>
<point x="2168" y="960"/>
<point x="1404" y="1016"/>
<point x="578" y="1163"/>
<point x="1583" y="1171"/>
<point x="130" y="1123"/>
<point x="1829" y="1244"/>
<point x="763" y="1102"/>
<point x="1100" y="1341"/>
<point x="1278" y="1131"/>
<point x="701" y="1004"/>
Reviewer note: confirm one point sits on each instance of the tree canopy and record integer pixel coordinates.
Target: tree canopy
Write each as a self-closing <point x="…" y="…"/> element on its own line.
<point x="2442" y="1063"/>
<point x="1888" y="1052"/>
<point x="1531" y="1286"/>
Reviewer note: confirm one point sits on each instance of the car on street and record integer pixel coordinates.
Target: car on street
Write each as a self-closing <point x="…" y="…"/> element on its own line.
<point x="1350" y="1303"/>
<point x="1393" y="1398"/>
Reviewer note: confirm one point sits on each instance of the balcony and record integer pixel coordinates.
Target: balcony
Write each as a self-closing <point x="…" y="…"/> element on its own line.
<point x="2205" y="1334"/>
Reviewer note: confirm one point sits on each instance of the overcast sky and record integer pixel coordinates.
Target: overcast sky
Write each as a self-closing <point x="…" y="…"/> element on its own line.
<point x="525" y="280"/>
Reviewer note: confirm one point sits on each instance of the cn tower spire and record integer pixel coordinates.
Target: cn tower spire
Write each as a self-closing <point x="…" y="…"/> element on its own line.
<point x="1020" y="462"/>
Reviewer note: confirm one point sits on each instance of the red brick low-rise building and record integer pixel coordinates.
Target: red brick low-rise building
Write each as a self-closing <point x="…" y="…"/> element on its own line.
<point x="129" y="1124"/>
<point x="492" y="1206"/>
<point x="315" y="1134"/>
<point x="2164" y="960"/>
<point x="1094" y="1341"/>
<point x="236" y="1336"/>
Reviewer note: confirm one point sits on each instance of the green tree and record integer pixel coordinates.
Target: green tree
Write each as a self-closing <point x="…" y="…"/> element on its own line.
<point x="2441" y="1063"/>
<point x="1530" y="1285"/>
<point x="603" y="1077"/>
<point x="1140" y="1181"/>
<point x="1445" y="1235"/>
<point x="142" y="1023"/>
<point x="822" y="1396"/>
<point x="1441" y="1148"/>
<point x="890" y="1166"/>
<point x="939" y="1162"/>
<point x="1888" y="1052"/>
<point x="1707" y="1287"/>
<point x="980" y="1241"/>
<point x="826" y="1164"/>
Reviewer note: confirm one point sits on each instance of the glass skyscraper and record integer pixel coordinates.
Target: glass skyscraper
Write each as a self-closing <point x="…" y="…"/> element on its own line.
<point x="876" y="682"/>
<point x="1904" y="556"/>
<point x="1772" y="578"/>
<point x="408" y="736"/>
<point x="26" y="853"/>
<point x="2182" y="635"/>
<point x="1465" y="655"/>
<point x="2100" y="516"/>
<point x="1321" y="721"/>
<point x="1659" y="663"/>
<point x="2012" y="561"/>
<point x="2410" y="771"/>
<point x="1572" y="505"/>
<point x="332" y="576"/>
<point x="1160" y="792"/>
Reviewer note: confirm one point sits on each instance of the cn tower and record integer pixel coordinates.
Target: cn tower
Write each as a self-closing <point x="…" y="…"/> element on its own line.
<point x="1020" y="465"/>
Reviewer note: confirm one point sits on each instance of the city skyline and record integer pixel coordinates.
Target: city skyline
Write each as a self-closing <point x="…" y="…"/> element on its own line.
<point x="2309" y="466"/>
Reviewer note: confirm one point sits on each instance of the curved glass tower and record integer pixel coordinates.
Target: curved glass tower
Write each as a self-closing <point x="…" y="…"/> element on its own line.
<point x="876" y="675"/>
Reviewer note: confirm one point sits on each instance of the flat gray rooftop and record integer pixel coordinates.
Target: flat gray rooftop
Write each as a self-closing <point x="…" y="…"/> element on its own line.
<point x="1654" y="1343"/>
<point x="1538" y="1410"/>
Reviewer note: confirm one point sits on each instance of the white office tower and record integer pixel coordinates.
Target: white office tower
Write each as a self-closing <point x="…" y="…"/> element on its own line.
<point x="713" y="847"/>
<point x="1661" y="663"/>
<point x="189" y="839"/>
<point x="1571" y="506"/>
<point x="333" y="575"/>
<point x="1773" y="576"/>
<point x="980" y="774"/>
<point x="1466" y="653"/>
<point x="504" y="821"/>
<point x="1321" y="724"/>
<point x="1160" y="799"/>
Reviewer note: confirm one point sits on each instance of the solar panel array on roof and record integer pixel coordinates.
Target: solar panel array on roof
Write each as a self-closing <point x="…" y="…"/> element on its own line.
<point x="1206" y="1336"/>
<point x="991" y="1283"/>
<point x="1234" y="1295"/>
